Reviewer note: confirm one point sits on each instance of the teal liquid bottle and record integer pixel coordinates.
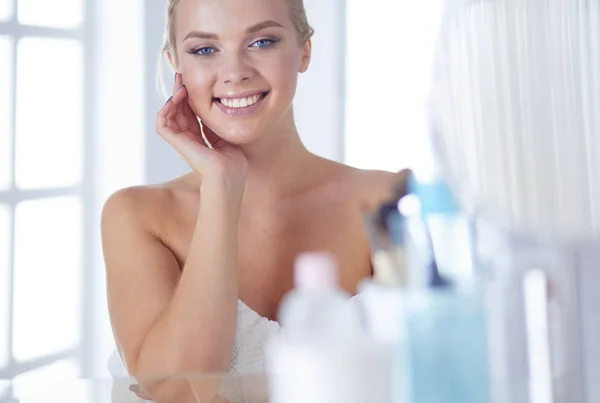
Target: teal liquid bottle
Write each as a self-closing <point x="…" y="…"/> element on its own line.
<point x="445" y="324"/>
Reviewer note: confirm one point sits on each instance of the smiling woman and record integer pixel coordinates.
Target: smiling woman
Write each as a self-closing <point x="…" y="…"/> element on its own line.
<point x="197" y="266"/>
<point x="267" y="60"/>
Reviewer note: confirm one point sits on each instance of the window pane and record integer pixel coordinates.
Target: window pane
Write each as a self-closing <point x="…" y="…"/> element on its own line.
<point x="4" y="390"/>
<point x="49" y="139"/>
<point x="6" y="83"/>
<point x="6" y="9"/>
<point x="47" y="278"/>
<point x="55" y="383"/>
<point x="5" y="269"/>
<point x="55" y="13"/>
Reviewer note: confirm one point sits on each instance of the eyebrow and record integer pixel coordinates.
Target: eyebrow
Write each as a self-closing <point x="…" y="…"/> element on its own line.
<point x="253" y="29"/>
<point x="262" y="25"/>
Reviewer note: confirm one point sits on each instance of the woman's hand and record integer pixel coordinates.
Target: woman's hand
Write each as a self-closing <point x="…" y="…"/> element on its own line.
<point x="215" y="160"/>
<point x="140" y="392"/>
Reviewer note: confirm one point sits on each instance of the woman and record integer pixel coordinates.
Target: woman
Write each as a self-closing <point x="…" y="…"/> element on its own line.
<point x="181" y="256"/>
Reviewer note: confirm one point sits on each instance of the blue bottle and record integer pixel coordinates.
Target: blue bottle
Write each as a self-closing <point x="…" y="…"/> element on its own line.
<point x="445" y="325"/>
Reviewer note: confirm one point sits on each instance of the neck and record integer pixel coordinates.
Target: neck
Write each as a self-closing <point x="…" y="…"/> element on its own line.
<point x="277" y="162"/>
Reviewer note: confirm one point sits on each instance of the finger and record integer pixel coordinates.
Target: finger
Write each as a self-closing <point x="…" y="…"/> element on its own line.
<point x="180" y="118"/>
<point x="162" y="117"/>
<point x="212" y="137"/>
<point x="172" y="124"/>
<point x="143" y="396"/>
<point x="190" y="115"/>
<point x="173" y="112"/>
<point x="195" y="153"/>
<point x="178" y="82"/>
<point x="165" y="120"/>
<point x="166" y="124"/>
<point x="179" y="95"/>
<point x="186" y="118"/>
<point x="168" y="129"/>
<point x="140" y="392"/>
<point x="182" y="140"/>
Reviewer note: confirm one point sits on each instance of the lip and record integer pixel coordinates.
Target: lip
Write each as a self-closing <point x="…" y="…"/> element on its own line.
<point x="248" y="110"/>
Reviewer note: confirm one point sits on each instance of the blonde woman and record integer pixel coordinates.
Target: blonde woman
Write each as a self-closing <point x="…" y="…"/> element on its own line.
<point x="190" y="260"/>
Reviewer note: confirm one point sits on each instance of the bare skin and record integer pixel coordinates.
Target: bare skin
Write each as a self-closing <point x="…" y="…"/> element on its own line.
<point x="272" y="232"/>
<point x="179" y="255"/>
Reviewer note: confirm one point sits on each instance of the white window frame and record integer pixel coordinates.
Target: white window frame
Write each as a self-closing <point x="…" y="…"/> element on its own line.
<point x="85" y="191"/>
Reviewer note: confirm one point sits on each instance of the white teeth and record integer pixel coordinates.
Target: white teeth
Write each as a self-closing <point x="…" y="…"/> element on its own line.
<point x="240" y="102"/>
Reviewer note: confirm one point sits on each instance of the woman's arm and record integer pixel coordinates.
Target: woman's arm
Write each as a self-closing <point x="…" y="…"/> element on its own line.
<point x="168" y="323"/>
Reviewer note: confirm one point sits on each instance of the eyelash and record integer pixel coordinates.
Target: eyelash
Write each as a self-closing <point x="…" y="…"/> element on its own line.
<point x="197" y="51"/>
<point x="272" y="42"/>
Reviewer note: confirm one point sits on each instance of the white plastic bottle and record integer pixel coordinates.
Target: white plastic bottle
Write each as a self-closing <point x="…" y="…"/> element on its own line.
<point x="322" y="353"/>
<point x="317" y="310"/>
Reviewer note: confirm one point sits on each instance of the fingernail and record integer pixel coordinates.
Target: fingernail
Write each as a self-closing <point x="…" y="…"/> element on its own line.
<point x="175" y="79"/>
<point x="135" y="388"/>
<point x="179" y="88"/>
<point x="168" y="100"/>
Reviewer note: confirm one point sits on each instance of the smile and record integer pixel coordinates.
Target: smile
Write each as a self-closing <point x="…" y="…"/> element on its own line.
<point x="241" y="105"/>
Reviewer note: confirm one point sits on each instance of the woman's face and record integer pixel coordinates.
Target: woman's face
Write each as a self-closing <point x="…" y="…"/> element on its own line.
<point x="240" y="61"/>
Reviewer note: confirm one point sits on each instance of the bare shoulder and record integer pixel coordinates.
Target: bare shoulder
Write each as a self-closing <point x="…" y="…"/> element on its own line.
<point x="145" y="206"/>
<point x="375" y="180"/>
<point x="372" y="187"/>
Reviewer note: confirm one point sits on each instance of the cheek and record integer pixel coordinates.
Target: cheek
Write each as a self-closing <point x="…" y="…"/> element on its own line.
<point x="284" y="74"/>
<point x="197" y="79"/>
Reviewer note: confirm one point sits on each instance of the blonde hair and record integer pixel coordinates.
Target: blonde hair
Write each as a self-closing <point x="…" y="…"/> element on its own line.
<point x="297" y="12"/>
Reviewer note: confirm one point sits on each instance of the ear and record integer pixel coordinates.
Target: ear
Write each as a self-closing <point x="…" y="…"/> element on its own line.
<point x="305" y="56"/>
<point x="172" y="60"/>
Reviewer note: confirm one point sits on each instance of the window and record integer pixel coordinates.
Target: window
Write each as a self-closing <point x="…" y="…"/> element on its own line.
<point x="6" y="9"/>
<point x="42" y="181"/>
<point x="5" y="280"/>
<point x="54" y="138"/>
<point x="6" y="66"/>
<point x="54" y="14"/>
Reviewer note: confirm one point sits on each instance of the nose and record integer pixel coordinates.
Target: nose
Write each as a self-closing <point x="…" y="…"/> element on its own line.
<point x="236" y="69"/>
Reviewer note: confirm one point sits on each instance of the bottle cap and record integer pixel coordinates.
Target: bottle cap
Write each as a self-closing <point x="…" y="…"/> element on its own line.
<point x="434" y="196"/>
<point x="316" y="270"/>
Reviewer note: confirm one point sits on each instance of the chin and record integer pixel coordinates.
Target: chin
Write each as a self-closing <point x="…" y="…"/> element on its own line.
<point x="238" y="135"/>
<point x="241" y="131"/>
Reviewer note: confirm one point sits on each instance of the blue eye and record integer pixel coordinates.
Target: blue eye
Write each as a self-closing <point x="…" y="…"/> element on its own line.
<point x="263" y="43"/>
<point x="206" y="51"/>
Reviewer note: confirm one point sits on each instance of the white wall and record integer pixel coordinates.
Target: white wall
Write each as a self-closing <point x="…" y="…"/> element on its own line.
<point x="389" y="64"/>
<point x="161" y="161"/>
<point x="118" y="140"/>
<point x="318" y="105"/>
